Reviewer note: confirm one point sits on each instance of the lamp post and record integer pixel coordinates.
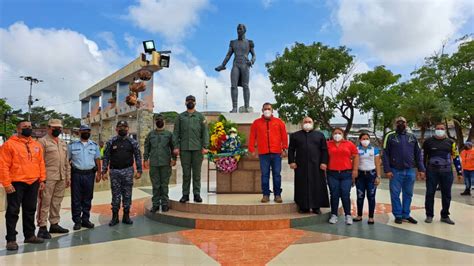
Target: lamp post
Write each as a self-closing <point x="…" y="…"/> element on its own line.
<point x="30" y="97"/>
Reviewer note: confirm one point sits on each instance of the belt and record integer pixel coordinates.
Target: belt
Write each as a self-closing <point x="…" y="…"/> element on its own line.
<point x="341" y="171"/>
<point x="119" y="168"/>
<point x="79" y="171"/>
<point x="366" y="172"/>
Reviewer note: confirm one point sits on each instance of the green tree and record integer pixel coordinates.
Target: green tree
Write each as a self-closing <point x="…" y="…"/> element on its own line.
<point x="311" y="80"/>
<point x="377" y="92"/>
<point x="423" y="106"/>
<point x="453" y="76"/>
<point x="40" y="117"/>
<point x="9" y="118"/>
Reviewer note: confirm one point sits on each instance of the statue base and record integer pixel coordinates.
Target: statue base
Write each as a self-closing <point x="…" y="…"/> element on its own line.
<point x="242" y="109"/>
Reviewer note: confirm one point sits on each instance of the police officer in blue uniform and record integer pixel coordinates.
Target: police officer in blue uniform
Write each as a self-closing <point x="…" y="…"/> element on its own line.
<point x="119" y="155"/>
<point x="85" y="161"/>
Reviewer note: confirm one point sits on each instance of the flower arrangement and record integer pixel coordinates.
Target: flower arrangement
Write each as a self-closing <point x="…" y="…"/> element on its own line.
<point x="225" y="145"/>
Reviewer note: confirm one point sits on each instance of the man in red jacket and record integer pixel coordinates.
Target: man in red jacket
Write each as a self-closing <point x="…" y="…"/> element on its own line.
<point x="269" y="133"/>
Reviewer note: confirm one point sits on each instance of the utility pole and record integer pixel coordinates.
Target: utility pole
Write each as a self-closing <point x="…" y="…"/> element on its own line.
<point x="205" y="96"/>
<point x="30" y="97"/>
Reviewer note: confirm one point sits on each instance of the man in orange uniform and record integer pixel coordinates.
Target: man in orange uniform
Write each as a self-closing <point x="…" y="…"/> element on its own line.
<point x="467" y="162"/>
<point x="269" y="133"/>
<point x="23" y="173"/>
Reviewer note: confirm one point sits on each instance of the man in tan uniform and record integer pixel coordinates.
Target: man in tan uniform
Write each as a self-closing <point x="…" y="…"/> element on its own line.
<point x="58" y="176"/>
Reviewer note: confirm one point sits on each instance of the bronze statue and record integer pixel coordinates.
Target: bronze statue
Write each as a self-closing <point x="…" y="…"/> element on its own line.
<point x="239" y="75"/>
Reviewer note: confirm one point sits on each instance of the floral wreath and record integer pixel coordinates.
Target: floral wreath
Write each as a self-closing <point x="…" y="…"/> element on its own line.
<point x="225" y="145"/>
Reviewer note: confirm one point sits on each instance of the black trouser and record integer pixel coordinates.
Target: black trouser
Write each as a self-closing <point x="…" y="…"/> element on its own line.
<point x="82" y="191"/>
<point x="445" y="180"/>
<point x="25" y="196"/>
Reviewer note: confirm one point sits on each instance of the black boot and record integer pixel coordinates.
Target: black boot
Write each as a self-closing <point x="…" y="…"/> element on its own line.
<point x="57" y="229"/>
<point x="115" y="218"/>
<point x="43" y="233"/>
<point x="126" y="217"/>
<point x="466" y="192"/>
<point x="197" y="198"/>
<point x="184" y="198"/>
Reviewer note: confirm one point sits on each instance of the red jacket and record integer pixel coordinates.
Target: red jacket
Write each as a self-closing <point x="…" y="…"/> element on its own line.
<point x="269" y="135"/>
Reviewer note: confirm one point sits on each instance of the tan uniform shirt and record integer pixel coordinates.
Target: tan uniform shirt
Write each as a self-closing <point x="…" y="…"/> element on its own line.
<point x="56" y="159"/>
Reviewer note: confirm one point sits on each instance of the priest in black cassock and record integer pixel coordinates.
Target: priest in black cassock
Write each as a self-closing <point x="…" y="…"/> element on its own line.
<point x="308" y="156"/>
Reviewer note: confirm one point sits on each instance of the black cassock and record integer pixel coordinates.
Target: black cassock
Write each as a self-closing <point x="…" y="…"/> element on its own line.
<point x="308" y="150"/>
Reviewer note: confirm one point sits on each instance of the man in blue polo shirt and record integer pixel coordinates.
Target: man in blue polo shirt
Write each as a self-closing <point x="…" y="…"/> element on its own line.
<point x="85" y="161"/>
<point x="402" y="154"/>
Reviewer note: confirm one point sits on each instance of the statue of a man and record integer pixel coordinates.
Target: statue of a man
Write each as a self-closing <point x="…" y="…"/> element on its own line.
<point x="239" y="75"/>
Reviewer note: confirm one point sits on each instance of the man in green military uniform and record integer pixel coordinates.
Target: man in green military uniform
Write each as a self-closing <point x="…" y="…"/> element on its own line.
<point x="191" y="139"/>
<point x="159" y="158"/>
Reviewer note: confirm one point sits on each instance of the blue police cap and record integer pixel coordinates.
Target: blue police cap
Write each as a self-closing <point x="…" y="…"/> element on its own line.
<point x="84" y="127"/>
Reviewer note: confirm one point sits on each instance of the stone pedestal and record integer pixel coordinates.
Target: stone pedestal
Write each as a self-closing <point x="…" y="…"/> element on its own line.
<point x="246" y="179"/>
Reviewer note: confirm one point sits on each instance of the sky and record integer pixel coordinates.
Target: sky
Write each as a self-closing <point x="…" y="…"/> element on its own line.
<point x="73" y="44"/>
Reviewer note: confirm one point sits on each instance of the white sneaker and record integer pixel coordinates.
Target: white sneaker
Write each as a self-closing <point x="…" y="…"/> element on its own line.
<point x="348" y="219"/>
<point x="333" y="219"/>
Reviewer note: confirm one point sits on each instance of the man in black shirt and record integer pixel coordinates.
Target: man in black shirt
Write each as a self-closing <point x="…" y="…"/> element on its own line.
<point x="120" y="152"/>
<point x="439" y="154"/>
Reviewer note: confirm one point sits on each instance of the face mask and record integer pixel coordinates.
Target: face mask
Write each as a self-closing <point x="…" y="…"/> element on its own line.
<point x="233" y="135"/>
<point x="190" y="105"/>
<point x="122" y="132"/>
<point x="267" y="113"/>
<point x="401" y="127"/>
<point x="337" y="137"/>
<point x="308" y="126"/>
<point x="440" y="133"/>
<point x="56" y="132"/>
<point x="85" y="136"/>
<point x="160" y="123"/>
<point x="26" y="132"/>
<point x="365" y="142"/>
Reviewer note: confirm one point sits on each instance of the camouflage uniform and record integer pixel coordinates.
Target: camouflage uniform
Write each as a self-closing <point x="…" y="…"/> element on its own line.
<point x="121" y="180"/>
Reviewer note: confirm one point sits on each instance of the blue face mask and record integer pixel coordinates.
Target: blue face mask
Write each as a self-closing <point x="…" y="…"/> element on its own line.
<point x="440" y="133"/>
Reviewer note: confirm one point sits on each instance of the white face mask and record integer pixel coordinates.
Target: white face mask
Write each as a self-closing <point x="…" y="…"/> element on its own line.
<point x="337" y="137"/>
<point x="308" y="126"/>
<point x="365" y="142"/>
<point x="233" y="135"/>
<point x="267" y="113"/>
<point x="440" y="133"/>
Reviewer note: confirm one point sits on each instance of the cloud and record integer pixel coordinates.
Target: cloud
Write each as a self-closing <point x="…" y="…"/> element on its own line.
<point x="66" y="60"/>
<point x="172" y="18"/>
<point x="184" y="78"/>
<point x="401" y="32"/>
<point x="267" y="3"/>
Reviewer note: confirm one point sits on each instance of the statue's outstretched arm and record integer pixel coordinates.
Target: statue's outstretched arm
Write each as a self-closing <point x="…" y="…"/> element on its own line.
<point x="226" y="59"/>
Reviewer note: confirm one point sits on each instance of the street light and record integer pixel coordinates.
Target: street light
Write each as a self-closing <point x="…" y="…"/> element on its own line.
<point x="149" y="46"/>
<point x="30" y="98"/>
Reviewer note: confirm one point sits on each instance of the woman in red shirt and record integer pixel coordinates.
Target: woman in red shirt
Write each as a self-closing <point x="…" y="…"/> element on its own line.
<point x="341" y="173"/>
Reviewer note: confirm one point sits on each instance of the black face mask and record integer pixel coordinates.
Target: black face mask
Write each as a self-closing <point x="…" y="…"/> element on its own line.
<point x="122" y="132"/>
<point x="401" y="128"/>
<point x="26" y="132"/>
<point x="56" y="132"/>
<point x="160" y="123"/>
<point x="190" y="105"/>
<point x="85" y="136"/>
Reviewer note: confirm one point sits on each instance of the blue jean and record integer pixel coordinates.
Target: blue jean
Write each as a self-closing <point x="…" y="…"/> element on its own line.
<point x="270" y="161"/>
<point x="365" y="184"/>
<point x="445" y="180"/>
<point x="340" y="187"/>
<point x="403" y="181"/>
<point x="468" y="178"/>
